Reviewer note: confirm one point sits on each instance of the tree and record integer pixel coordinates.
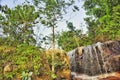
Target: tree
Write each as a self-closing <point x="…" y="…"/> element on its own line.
<point x="67" y="40"/>
<point x="115" y="23"/>
<point x="53" y="11"/>
<point x="100" y="20"/>
<point x="71" y="39"/>
<point x="18" y="23"/>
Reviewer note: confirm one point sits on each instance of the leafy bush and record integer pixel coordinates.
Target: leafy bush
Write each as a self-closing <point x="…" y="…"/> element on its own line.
<point x="27" y="58"/>
<point x="24" y="57"/>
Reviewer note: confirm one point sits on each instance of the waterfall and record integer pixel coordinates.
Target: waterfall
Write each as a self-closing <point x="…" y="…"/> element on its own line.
<point x="95" y="59"/>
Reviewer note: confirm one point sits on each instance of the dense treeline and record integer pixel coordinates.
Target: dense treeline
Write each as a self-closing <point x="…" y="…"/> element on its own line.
<point x="18" y="50"/>
<point x="103" y="21"/>
<point x="103" y="24"/>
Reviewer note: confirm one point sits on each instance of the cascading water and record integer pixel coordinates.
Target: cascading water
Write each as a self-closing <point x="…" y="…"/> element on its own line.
<point x="95" y="61"/>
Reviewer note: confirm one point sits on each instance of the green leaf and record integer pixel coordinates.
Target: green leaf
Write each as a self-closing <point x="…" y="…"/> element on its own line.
<point x="54" y="76"/>
<point x="76" y="8"/>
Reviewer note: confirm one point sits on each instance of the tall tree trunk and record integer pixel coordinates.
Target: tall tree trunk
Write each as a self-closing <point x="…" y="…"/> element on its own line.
<point x="53" y="42"/>
<point x="53" y="47"/>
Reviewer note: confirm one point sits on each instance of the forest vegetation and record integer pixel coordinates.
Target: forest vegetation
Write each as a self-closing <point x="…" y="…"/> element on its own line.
<point x="23" y="57"/>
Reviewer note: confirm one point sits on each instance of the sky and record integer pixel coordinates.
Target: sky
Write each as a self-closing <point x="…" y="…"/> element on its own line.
<point x="77" y="18"/>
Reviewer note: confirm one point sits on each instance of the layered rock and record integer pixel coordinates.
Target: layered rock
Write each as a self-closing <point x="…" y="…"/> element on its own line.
<point x="96" y="59"/>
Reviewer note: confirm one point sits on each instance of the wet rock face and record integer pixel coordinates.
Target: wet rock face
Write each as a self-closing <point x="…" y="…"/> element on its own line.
<point x="75" y="58"/>
<point x="96" y="59"/>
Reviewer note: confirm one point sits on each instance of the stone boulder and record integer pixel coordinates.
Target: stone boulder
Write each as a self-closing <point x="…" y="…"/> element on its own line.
<point x="96" y="59"/>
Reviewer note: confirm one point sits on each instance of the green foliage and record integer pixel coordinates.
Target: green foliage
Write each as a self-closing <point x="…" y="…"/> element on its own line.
<point x="115" y="23"/>
<point x="69" y="40"/>
<point x="66" y="41"/>
<point x="5" y="56"/>
<point x="9" y="75"/>
<point x="54" y="76"/>
<point x="102" y="19"/>
<point x="29" y="58"/>
<point x="27" y="76"/>
<point x="18" y="23"/>
<point x="70" y="26"/>
<point x="24" y="58"/>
